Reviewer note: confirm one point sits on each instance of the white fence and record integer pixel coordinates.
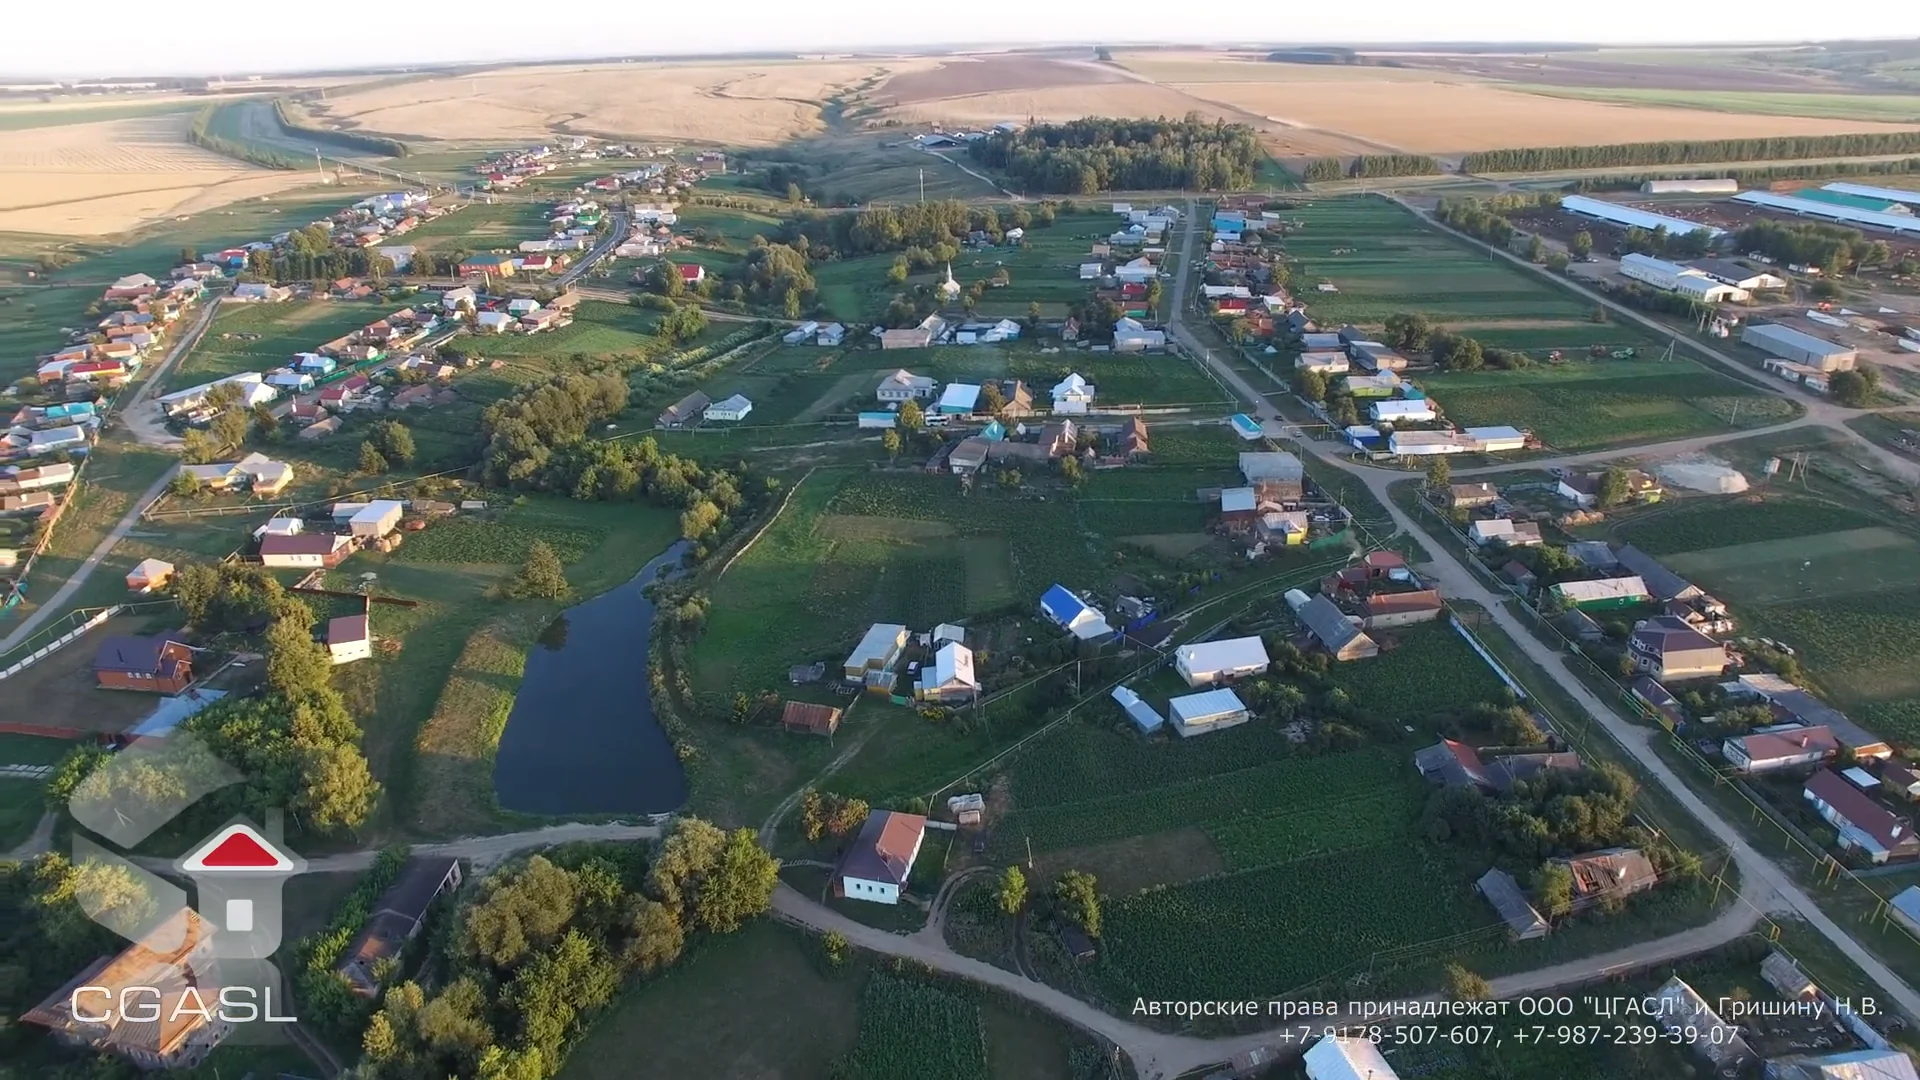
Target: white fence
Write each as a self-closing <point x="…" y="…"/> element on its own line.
<point x="60" y="642"/>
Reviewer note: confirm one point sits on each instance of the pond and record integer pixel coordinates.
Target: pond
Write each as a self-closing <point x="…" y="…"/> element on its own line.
<point x="582" y="738"/>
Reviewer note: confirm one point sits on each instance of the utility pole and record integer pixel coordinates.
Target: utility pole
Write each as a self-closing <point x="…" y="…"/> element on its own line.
<point x="923" y="185"/>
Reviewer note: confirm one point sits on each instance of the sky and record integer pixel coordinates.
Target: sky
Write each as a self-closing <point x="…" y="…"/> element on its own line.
<point x="269" y="36"/>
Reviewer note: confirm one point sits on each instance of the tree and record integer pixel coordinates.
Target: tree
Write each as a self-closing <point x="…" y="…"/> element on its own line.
<point x="911" y="416"/>
<point x="1012" y="891"/>
<point x="1850" y="388"/>
<point x="897" y="273"/>
<point x="1464" y="985"/>
<point x="1439" y="474"/>
<point x="520" y="913"/>
<point x="296" y="664"/>
<point x="542" y="575"/>
<point x="1408" y="331"/>
<point x="685" y="857"/>
<point x="337" y="790"/>
<point x="1070" y="470"/>
<point x="1557" y="261"/>
<point x="1553" y="889"/>
<point x="739" y="887"/>
<point x="655" y="939"/>
<point x="1311" y="385"/>
<point x="890" y="441"/>
<point x="1581" y="245"/>
<point x="813" y="816"/>
<point x="372" y="461"/>
<point x="1614" y="487"/>
<point x="1078" y="896"/>
<point x="184" y="484"/>
<point x="1536" y="249"/>
<point x="394" y="441"/>
<point x="228" y="430"/>
<point x="196" y="448"/>
<point x="834" y="944"/>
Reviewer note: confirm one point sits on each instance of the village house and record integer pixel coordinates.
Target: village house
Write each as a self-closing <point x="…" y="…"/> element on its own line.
<point x="1070" y="613"/>
<point x="1668" y="649"/>
<point x="1471" y="496"/>
<point x="36" y="478"/>
<point x="349" y="638"/>
<point x="304" y="550"/>
<point x="1332" y="628"/>
<point x="1783" y="747"/>
<point x="1209" y="662"/>
<point x="1604" y="594"/>
<point x="1863" y="825"/>
<point x="880" y="861"/>
<point x="968" y="455"/>
<point x="1901" y="780"/>
<point x="149" y="575"/>
<point x="1583" y="489"/>
<point x="1690" y="1021"/>
<point x="949" y="679"/>
<point x="1130" y="335"/>
<point x="1383" y="610"/>
<point x="1604" y="876"/>
<point x="686" y="411"/>
<point x="1455" y="764"/>
<point x="1792" y="702"/>
<point x="175" y="961"/>
<point x="1504" y="530"/>
<point x="903" y="386"/>
<point x="159" y="664"/>
<point x="732" y="410"/>
<point x="809" y="719"/>
<point x="1073" y="395"/>
<point x="1509" y="901"/>
<point x="397" y="918"/>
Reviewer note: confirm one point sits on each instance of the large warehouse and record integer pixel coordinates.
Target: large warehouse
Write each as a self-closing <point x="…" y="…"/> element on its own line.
<point x="1724" y="186"/>
<point x="1672" y="277"/>
<point x="1899" y="195"/>
<point x="1627" y="216"/>
<point x="1790" y="344"/>
<point x="1903" y="224"/>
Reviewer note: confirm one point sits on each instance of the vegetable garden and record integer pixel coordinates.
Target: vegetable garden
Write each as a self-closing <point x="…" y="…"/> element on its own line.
<point x="469" y="541"/>
<point x="912" y="1029"/>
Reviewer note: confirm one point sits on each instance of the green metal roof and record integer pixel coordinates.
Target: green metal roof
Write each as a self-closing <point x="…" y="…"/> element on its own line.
<point x="1841" y="198"/>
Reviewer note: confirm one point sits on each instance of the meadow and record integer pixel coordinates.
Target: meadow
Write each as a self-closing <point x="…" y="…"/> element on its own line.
<point x="1589" y="405"/>
<point x="482" y="227"/>
<point x="260" y="337"/>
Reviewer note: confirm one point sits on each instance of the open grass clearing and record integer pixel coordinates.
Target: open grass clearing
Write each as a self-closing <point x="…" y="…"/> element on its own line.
<point x="1696" y="525"/>
<point x="1574" y="413"/>
<point x="259" y="337"/>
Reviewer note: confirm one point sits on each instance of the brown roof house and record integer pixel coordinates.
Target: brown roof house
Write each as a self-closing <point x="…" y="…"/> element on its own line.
<point x="685" y="411"/>
<point x="1780" y="748"/>
<point x="810" y="719"/>
<point x="161" y="664"/>
<point x="396" y="919"/>
<point x="174" y="960"/>
<point x="1384" y="610"/>
<point x="1667" y="648"/>
<point x="1863" y="825"/>
<point x="878" y="864"/>
<point x="1615" y="873"/>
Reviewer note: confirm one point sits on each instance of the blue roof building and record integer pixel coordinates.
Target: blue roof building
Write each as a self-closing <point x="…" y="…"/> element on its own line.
<point x="995" y="431"/>
<point x="1142" y="714"/>
<point x="1073" y="614"/>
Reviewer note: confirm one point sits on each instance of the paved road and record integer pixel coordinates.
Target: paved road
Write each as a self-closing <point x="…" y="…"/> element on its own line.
<point x="616" y="234"/>
<point x="1457" y="581"/>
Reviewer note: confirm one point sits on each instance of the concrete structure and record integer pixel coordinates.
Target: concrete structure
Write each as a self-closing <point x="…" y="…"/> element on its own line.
<point x="1790" y="344"/>
<point x="880" y="861"/>
<point x="1208" y="662"/>
<point x="1209" y="710"/>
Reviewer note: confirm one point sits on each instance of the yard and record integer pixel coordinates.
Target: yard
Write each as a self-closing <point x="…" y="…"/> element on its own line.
<point x="260" y="337"/>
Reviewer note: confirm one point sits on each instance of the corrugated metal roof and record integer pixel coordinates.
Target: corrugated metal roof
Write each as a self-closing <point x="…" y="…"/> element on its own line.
<point x="1142" y="714"/>
<point x="1890" y="194"/>
<point x="1603" y="589"/>
<point x="1232" y="654"/>
<point x="1234" y="500"/>
<point x="1775" y="333"/>
<point x="1851" y="201"/>
<point x="1627" y="215"/>
<point x="1205" y="705"/>
<point x="1895" y="223"/>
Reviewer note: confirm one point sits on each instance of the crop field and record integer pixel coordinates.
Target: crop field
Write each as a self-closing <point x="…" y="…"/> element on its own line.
<point x="1539" y="337"/>
<point x="1430" y="668"/>
<point x="1586" y="406"/>
<point x="1698" y="524"/>
<point x="108" y="176"/>
<point x="912" y="1029"/>
<point x="1887" y="108"/>
<point x="259" y="337"/>
<point x="480" y="227"/>
<point x="467" y="541"/>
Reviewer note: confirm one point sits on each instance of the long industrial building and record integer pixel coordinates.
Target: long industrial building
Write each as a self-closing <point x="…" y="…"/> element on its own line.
<point x="1674" y="278"/>
<point x="1911" y="198"/>
<point x="1630" y="217"/>
<point x="1902" y="224"/>
<point x="1723" y="186"/>
<point x="1790" y="344"/>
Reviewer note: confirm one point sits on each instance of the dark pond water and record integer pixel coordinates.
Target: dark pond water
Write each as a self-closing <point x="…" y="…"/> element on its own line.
<point x="582" y="738"/>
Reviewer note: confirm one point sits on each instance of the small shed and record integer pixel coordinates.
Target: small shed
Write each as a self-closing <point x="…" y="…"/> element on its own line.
<point x="810" y="719"/>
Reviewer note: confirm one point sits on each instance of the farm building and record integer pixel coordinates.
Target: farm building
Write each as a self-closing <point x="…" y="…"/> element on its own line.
<point x="968" y="455"/>
<point x="880" y="861"/>
<point x="1373" y="386"/>
<point x="911" y="337"/>
<point x="1072" y="395"/>
<point x="1738" y="275"/>
<point x="1424" y="443"/>
<point x="1790" y="344"/>
<point x="734" y="408"/>
<point x="1901" y="780"/>
<point x="1074" y="615"/>
<point x="397" y="918"/>
<point x="1686" y="1016"/>
<point x="871" y="661"/>
<point x="1609" y="874"/>
<point x="1494" y="440"/>
<point x="949" y="678"/>
<point x="800" y="333"/>
<point x="1902" y="224"/>
<point x="304" y="550"/>
<point x="1719" y="186"/>
<point x="904" y="386"/>
<point x="1401" y="410"/>
<point x="1628" y="217"/>
<point x="1780" y="748"/>
<point x="148" y="575"/>
<point x="1906" y="907"/>
<point x="1866" y="1064"/>
<point x="1673" y="277"/>
<point x="958" y="399"/>
<point x="1455" y="764"/>
<point x="1209" y="710"/>
<point x="685" y="411"/>
<point x="1386" y="610"/>
<point x="1524" y="921"/>
<point x="809" y="719"/>
<point x="348" y="639"/>
<point x="1604" y="594"/>
<point x="1273" y="467"/>
<point x="1331" y="627"/>
<point x="1137" y="710"/>
<point x="1876" y="832"/>
<point x="1511" y="533"/>
<point x="1894" y="195"/>
<point x="1583" y="489"/>
<point x="1663" y="583"/>
<point x="376" y="519"/>
<point x="1337" y="1057"/>
<point x="830" y="335"/>
<point x="1808" y="709"/>
<point x="1130" y="335"/>
<point x="1666" y="648"/>
<point x="1209" y="662"/>
<point x="159" y="664"/>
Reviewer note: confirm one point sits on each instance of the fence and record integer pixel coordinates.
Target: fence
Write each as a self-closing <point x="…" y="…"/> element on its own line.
<point x="60" y="642"/>
<point x="1513" y="684"/>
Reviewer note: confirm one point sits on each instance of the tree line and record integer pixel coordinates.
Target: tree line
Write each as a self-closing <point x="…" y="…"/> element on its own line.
<point x="311" y="255"/>
<point x="1757" y="174"/>
<point x="1690" y="152"/>
<point x="200" y="133"/>
<point x="1370" y="165"/>
<point x="1093" y="154"/>
<point x="937" y="228"/>
<point x="373" y="144"/>
<point x="547" y="945"/>
<point x="1833" y="249"/>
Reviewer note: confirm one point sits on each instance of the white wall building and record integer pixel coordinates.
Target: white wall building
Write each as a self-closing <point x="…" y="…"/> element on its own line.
<point x="1209" y="662"/>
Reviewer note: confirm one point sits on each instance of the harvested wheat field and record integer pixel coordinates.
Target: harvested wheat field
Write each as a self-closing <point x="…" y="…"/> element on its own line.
<point x="1456" y="117"/>
<point x="964" y="75"/>
<point x="745" y="104"/>
<point x="1062" y="103"/>
<point x="107" y="177"/>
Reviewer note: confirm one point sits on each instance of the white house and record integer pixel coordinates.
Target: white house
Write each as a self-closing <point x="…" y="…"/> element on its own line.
<point x="800" y="333"/>
<point x="1326" y="363"/>
<point x="1209" y="662"/>
<point x="1493" y="440"/>
<point x="830" y="335"/>
<point x="1138" y="271"/>
<point x="493" y="322"/>
<point x="734" y="408"/>
<point x="949" y="678"/>
<point x="1512" y="533"/>
<point x="523" y="305"/>
<point x="1090" y="271"/>
<point x="1130" y="336"/>
<point x="881" y="859"/>
<point x="348" y="639"/>
<point x="1072" y="395"/>
<point x="1072" y="614"/>
<point x="1398" y="410"/>
<point x="376" y="519"/>
<point x="462" y="297"/>
<point x="904" y="385"/>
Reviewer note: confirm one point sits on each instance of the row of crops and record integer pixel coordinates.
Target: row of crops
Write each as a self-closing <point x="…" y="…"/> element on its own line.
<point x="469" y="541"/>
<point x="910" y="1029"/>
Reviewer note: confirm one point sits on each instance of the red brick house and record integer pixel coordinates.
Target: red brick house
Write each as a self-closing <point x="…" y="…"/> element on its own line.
<point x="161" y="664"/>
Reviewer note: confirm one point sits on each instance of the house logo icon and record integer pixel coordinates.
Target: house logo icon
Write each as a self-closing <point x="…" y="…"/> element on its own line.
<point x="238" y="875"/>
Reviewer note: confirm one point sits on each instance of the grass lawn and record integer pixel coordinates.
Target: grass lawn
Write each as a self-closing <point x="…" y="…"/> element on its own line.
<point x="1588" y="405"/>
<point x="31" y="321"/>
<point x="598" y="328"/>
<point x="259" y="337"/>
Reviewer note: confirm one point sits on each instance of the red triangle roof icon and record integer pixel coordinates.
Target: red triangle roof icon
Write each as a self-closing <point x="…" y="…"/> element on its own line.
<point x="237" y="849"/>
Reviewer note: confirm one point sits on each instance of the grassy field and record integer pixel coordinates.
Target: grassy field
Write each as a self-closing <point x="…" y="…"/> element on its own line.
<point x="259" y="337"/>
<point x="21" y="799"/>
<point x="1588" y="405"/>
<point x="598" y="328"/>
<point x="480" y="227"/>
<point x="1887" y="108"/>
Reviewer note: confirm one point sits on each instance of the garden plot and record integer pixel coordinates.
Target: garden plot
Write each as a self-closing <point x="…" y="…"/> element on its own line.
<point x="1586" y="406"/>
<point x="482" y="227"/>
<point x="1120" y="379"/>
<point x="1699" y="524"/>
<point x="598" y="328"/>
<point x="260" y="337"/>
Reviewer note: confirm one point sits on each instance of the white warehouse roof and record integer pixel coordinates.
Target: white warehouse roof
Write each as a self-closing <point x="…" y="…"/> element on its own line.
<point x="1894" y="223"/>
<point x="1776" y="334"/>
<point x="1911" y="198"/>
<point x="1232" y="654"/>
<point x="1627" y="215"/>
